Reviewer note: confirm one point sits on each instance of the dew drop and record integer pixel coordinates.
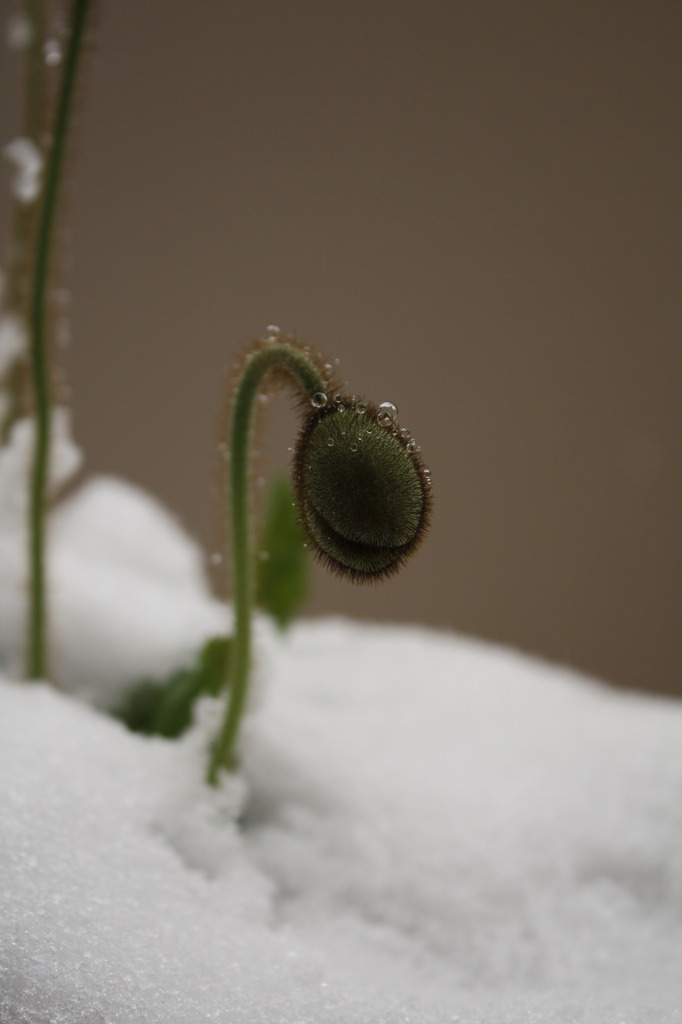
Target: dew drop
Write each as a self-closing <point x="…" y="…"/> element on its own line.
<point x="412" y="445"/>
<point x="52" y="51"/>
<point x="319" y="400"/>
<point x="19" y="31"/>
<point x="405" y="431"/>
<point x="354" y="446"/>
<point x="272" y="331"/>
<point x="328" y="369"/>
<point x="63" y="333"/>
<point x="330" y="442"/>
<point x="340" y="407"/>
<point x="361" y="407"/>
<point x="386" y="414"/>
<point x="28" y="162"/>
<point x="62" y="297"/>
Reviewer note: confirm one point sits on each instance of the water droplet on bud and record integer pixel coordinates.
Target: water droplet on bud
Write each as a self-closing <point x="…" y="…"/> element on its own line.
<point x="354" y="446"/>
<point x="330" y="442"/>
<point x="386" y="414"/>
<point x="319" y="400"/>
<point x="361" y="407"/>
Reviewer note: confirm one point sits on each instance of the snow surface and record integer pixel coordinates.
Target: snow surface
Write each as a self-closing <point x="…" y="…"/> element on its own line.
<point x="425" y="829"/>
<point x="432" y="830"/>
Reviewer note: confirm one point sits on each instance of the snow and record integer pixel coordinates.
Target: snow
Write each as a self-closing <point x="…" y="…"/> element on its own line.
<point x="425" y="828"/>
<point x="129" y="598"/>
<point x="147" y="608"/>
<point x="28" y="163"/>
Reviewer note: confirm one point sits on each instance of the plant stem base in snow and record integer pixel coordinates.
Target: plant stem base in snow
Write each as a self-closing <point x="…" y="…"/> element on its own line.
<point x="291" y="361"/>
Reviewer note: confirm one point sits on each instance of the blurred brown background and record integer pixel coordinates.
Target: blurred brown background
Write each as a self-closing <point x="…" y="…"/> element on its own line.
<point x="476" y="207"/>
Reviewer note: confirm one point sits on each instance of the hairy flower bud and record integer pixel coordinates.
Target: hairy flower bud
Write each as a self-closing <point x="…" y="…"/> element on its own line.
<point x="362" y="491"/>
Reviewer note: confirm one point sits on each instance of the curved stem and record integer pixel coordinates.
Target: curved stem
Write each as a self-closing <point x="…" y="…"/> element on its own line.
<point x="36" y="658"/>
<point x="304" y="374"/>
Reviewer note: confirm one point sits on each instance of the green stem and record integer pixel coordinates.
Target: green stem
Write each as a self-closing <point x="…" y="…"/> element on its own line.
<point x="303" y="373"/>
<point x="36" y="655"/>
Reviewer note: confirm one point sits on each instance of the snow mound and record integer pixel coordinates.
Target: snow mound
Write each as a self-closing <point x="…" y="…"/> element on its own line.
<point x="110" y="520"/>
<point x="426" y="829"/>
<point x="128" y="594"/>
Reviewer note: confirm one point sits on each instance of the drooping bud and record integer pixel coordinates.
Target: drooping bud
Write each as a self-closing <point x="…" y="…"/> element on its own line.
<point x="362" y="491"/>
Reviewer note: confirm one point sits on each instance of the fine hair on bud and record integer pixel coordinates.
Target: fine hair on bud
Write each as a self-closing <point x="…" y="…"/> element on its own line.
<point x="362" y="490"/>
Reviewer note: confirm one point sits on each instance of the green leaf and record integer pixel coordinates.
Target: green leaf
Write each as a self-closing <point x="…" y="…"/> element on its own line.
<point x="166" y="708"/>
<point x="139" y="708"/>
<point x="283" y="569"/>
